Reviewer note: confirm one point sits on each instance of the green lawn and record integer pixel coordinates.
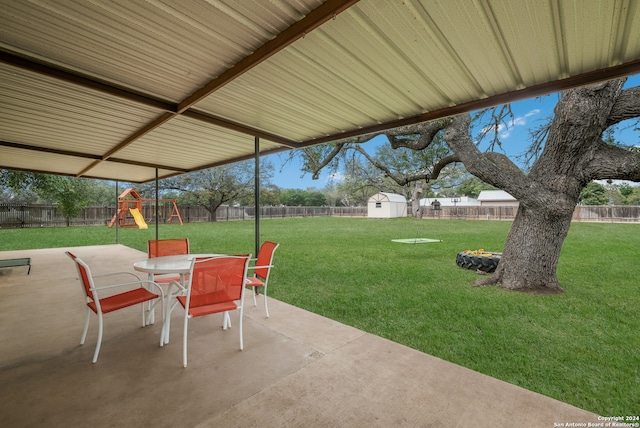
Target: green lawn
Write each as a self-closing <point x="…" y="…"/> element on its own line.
<point x="582" y="347"/>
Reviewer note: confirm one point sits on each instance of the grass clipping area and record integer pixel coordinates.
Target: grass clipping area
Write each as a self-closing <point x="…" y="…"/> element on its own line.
<point x="581" y="347"/>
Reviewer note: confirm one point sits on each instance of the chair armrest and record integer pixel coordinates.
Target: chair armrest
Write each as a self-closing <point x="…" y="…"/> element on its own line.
<point x="128" y="284"/>
<point x="259" y="267"/>
<point x="106" y="275"/>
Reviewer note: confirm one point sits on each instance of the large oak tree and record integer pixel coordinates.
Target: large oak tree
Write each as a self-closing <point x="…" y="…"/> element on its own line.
<point x="574" y="154"/>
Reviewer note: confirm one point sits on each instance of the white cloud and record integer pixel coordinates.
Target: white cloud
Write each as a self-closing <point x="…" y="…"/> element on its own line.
<point x="518" y="121"/>
<point x="505" y="129"/>
<point x="336" y="177"/>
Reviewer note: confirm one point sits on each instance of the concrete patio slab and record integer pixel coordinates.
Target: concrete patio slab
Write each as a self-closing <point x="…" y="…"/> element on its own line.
<point x="298" y="369"/>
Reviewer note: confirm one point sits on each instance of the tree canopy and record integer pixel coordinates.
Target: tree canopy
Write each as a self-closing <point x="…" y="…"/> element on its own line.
<point x="70" y="194"/>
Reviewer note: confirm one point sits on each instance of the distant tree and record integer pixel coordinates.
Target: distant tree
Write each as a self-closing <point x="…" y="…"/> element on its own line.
<point x="214" y="187"/>
<point x="16" y="187"/>
<point x="634" y="197"/>
<point x="269" y="196"/>
<point x="103" y="194"/>
<point x="332" y="195"/>
<point x="315" y="199"/>
<point x="593" y="194"/>
<point x="71" y="195"/>
<point x="472" y="187"/>
<point x="361" y="180"/>
<point x="626" y="190"/>
<point x="303" y="198"/>
<point x="630" y="195"/>
<point x="293" y="197"/>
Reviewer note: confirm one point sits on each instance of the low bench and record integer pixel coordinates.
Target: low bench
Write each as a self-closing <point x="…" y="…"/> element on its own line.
<point x="16" y="262"/>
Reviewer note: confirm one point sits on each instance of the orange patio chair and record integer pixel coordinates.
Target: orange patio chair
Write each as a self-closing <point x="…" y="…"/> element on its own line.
<point x="215" y="285"/>
<point x="136" y="294"/>
<point x="167" y="247"/>
<point x="261" y="271"/>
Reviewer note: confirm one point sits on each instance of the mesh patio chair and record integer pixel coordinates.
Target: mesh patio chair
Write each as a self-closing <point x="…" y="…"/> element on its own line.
<point x="167" y="247"/>
<point x="215" y="285"/>
<point x="136" y="293"/>
<point x="261" y="271"/>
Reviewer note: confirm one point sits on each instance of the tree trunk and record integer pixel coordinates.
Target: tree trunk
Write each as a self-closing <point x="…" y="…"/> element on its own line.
<point x="530" y="256"/>
<point x="213" y="210"/>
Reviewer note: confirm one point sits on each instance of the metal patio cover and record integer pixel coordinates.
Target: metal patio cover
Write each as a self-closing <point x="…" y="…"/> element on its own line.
<point x="114" y="89"/>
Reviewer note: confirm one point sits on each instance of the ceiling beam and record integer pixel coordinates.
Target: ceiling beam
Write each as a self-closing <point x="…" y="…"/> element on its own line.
<point x="223" y="123"/>
<point x="328" y="10"/>
<point x="90" y="156"/>
<point x="84" y="81"/>
<point x="49" y="150"/>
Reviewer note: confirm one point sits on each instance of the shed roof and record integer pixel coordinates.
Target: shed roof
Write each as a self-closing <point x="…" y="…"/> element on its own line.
<point x="387" y="197"/>
<point x="117" y="89"/>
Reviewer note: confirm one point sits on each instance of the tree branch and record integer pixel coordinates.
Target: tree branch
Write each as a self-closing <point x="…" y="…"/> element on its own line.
<point x="614" y="163"/>
<point x="426" y="130"/>
<point x="493" y="168"/>
<point x="377" y="164"/>
<point x="627" y="106"/>
<point x="437" y="168"/>
<point x="317" y="166"/>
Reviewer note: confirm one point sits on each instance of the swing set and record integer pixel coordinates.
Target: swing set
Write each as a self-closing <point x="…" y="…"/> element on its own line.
<point x="129" y="212"/>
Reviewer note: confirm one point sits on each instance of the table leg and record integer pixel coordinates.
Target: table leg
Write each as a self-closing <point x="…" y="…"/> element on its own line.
<point x="169" y="308"/>
<point x="152" y="314"/>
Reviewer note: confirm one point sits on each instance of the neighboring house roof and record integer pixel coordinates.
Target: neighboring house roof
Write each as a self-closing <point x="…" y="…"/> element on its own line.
<point x="447" y="202"/>
<point x="495" y="195"/>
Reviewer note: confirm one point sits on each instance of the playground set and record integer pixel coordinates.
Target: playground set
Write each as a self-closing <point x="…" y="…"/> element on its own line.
<point x="129" y="212"/>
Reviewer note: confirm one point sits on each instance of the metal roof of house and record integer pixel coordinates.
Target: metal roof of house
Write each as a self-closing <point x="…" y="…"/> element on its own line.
<point x="461" y="201"/>
<point x="115" y="89"/>
<point x="495" y="195"/>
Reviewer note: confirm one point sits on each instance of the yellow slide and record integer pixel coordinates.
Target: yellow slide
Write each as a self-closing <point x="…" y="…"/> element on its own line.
<point x="138" y="218"/>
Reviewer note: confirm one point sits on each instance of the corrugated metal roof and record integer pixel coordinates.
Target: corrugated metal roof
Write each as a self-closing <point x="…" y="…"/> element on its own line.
<point x="495" y="195"/>
<point x="113" y="89"/>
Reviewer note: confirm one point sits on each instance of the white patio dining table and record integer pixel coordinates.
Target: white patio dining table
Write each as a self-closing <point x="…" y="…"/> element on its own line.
<point x="178" y="264"/>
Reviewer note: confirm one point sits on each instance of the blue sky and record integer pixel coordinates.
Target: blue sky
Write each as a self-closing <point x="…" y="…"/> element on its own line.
<point x="527" y="114"/>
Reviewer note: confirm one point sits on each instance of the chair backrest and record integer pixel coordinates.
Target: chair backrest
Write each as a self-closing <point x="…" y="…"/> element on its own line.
<point x="265" y="258"/>
<point x="84" y="273"/>
<point x="167" y="247"/>
<point x="217" y="279"/>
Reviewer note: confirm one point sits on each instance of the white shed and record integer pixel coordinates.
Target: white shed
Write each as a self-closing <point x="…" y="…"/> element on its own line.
<point x="497" y="198"/>
<point x="387" y="205"/>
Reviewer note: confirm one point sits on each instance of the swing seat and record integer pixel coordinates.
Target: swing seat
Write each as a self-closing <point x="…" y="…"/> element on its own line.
<point x="416" y="240"/>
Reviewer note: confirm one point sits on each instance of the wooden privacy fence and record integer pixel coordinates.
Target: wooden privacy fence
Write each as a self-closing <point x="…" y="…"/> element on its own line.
<point x="17" y="216"/>
<point x="593" y="213"/>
